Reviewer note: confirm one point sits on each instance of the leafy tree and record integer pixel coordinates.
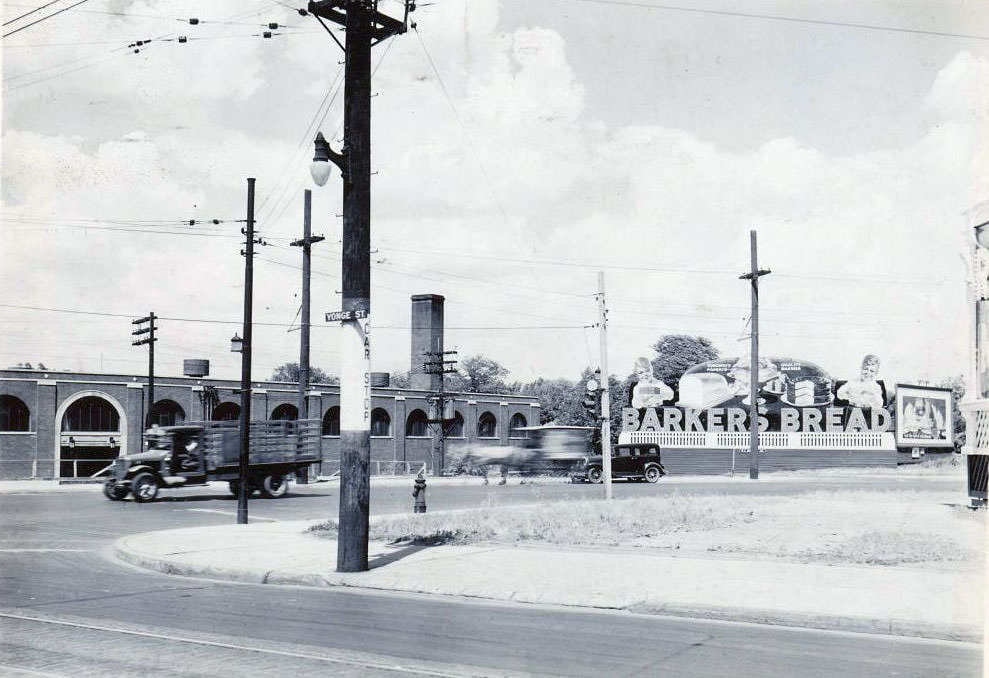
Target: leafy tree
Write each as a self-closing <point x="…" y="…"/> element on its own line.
<point x="560" y="400"/>
<point x="481" y="375"/>
<point x="957" y="386"/>
<point x="676" y="353"/>
<point x="290" y="372"/>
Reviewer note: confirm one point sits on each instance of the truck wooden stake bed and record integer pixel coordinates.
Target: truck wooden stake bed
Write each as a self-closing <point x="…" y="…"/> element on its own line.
<point x="198" y="452"/>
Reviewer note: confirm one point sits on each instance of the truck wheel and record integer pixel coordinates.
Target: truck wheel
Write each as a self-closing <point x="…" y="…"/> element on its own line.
<point x="653" y="474"/>
<point x="115" y="492"/>
<point x="144" y="486"/>
<point x="594" y="474"/>
<point x="274" y="486"/>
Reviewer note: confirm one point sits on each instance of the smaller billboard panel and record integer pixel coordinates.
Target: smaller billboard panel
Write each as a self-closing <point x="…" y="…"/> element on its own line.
<point x="924" y="416"/>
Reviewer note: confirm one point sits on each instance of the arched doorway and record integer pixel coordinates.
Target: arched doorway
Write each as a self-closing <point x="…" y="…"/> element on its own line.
<point x="92" y="433"/>
<point x="227" y="411"/>
<point x="487" y="426"/>
<point x="417" y="424"/>
<point x="456" y="427"/>
<point x="380" y="422"/>
<point x="14" y="414"/>
<point x="285" y="412"/>
<point x="166" y="413"/>
<point x="331" y="421"/>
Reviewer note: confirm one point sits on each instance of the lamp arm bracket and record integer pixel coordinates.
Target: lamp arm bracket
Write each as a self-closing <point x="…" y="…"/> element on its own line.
<point x="338" y="159"/>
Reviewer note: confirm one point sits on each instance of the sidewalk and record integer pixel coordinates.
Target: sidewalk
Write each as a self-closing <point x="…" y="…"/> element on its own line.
<point x="889" y="600"/>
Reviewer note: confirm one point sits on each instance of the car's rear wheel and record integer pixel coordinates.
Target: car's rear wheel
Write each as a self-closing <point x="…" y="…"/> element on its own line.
<point x="594" y="474"/>
<point x="653" y="474"/>
<point x="144" y="486"/>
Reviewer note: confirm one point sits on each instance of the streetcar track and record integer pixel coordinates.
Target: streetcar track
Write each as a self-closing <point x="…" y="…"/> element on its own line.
<point x="329" y="657"/>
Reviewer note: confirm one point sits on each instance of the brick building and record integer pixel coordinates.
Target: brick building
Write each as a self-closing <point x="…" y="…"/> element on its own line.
<point x="71" y="424"/>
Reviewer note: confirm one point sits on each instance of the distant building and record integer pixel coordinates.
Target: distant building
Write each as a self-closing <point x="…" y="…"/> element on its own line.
<point x="69" y="424"/>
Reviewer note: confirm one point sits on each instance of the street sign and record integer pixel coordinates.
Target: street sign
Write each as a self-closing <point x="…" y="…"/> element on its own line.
<point x="337" y="316"/>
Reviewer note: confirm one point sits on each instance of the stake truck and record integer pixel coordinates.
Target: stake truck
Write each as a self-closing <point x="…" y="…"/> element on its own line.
<point x="198" y="452"/>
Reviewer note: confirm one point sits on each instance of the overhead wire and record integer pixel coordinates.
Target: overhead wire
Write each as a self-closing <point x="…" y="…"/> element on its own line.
<point x="44" y="18"/>
<point x="36" y="9"/>
<point x="781" y="18"/>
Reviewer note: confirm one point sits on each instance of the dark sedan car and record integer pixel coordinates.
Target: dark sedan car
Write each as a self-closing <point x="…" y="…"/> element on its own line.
<point x="632" y="461"/>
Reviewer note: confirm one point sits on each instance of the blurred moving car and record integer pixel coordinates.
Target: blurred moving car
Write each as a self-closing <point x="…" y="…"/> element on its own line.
<point x="547" y="449"/>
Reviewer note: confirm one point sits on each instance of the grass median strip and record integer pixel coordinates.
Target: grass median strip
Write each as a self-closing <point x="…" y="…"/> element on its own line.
<point x="882" y="528"/>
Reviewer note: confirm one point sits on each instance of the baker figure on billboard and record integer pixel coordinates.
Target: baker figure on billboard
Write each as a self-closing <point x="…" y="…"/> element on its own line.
<point x="866" y="391"/>
<point x="646" y="390"/>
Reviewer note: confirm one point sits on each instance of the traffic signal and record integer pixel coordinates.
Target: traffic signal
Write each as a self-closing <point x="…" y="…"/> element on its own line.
<point x="592" y="399"/>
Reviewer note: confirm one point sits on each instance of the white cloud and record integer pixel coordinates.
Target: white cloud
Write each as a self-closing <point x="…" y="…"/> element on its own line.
<point x="509" y="166"/>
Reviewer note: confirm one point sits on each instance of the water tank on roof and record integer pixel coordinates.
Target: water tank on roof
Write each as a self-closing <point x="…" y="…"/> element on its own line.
<point x="195" y="367"/>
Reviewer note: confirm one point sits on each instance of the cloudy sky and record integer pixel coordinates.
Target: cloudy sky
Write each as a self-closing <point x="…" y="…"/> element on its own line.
<point x="520" y="146"/>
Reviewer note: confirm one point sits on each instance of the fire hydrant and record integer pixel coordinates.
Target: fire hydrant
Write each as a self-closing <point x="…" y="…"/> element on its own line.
<point x="419" y="493"/>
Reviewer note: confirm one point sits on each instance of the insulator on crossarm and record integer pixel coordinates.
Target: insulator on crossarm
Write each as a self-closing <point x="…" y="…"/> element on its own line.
<point x="216" y="221"/>
<point x="194" y="21"/>
<point x="266" y="34"/>
<point x="183" y="38"/>
<point x="273" y="25"/>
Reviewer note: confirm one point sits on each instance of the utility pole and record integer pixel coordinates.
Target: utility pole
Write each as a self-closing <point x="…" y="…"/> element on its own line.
<point x="437" y="364"/>
<point x="754" y="276"/>
<point x="365" y="26"/>
<point x="308" y="240"/>
<point x="150" y="341"/>
<point x="605" y="391"/>
<point x="243" y="489"/>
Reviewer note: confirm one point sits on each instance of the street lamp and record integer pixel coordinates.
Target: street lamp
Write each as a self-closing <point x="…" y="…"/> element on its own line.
<point x="236" y="344"/>
<point x="354" y="318"/>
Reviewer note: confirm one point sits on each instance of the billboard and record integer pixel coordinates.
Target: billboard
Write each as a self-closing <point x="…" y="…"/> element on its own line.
<point x="793" y="396"/>
<point x="923" y="416"/>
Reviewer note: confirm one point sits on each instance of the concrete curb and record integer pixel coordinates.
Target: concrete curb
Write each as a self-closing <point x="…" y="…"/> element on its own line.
<point x="883" y="626"/>
<point x="888" y="627"/>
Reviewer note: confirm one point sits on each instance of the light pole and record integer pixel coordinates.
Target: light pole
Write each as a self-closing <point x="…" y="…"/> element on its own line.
<point x="355" y="344"/>
<point x="365" y="27"/>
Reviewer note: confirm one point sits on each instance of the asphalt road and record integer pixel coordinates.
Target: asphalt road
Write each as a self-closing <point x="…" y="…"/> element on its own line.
<point x="68" y="609"/>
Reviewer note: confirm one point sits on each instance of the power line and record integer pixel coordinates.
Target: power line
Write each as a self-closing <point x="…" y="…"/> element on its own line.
<point x="36" y="9"/>
<point x="44" y="18"/>
<point x="787" y="19"/>
<point x="271" y="324"/>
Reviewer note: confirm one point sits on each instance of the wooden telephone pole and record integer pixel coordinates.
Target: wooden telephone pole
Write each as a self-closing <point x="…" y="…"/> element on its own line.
<point x="754" y="276"/>
<point x="306" y="243"/>
<point x="150" y="341"/>
<point x="365" y="27"/>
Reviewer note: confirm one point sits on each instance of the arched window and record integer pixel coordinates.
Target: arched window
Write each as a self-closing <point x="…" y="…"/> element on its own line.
<point x="416" y="425"/>
<point x="518" y="421"/>
<point x="166" y="413"/>
<point x="331" y="421"/>
<point x="285" y="412"/>
<point x="487" y="426"/>
<point x="14" y="415"/>
<point x="456" y="427"/>
<point x="380" y="422"/>
<point x="91" y="413"/>
<point x="226" y="412"/>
